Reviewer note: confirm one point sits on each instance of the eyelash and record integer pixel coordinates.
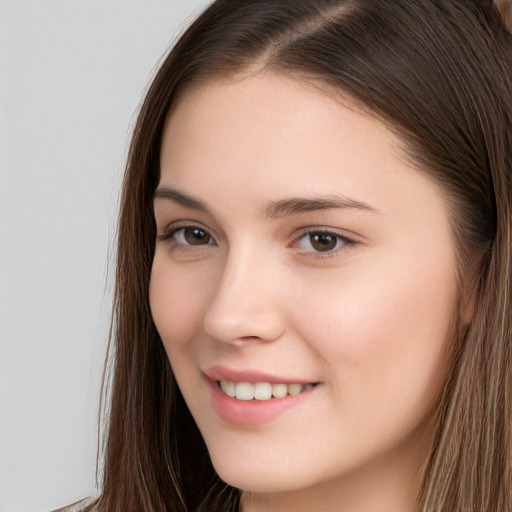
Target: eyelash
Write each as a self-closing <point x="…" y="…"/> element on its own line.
<point x="171" y="231"/>
<point x="343" y="242"/>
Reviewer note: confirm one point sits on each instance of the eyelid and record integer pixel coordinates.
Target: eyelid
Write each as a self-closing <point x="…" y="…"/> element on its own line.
<point x="171" y="228"/>
<point x="348" y="241"/>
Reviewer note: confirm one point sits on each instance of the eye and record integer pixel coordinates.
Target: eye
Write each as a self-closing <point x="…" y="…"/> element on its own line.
<point x="323" y="242"/>
<point x="189" y="236"/>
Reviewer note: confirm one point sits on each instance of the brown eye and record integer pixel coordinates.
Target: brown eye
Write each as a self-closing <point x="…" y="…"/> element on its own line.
<point x="189" y="236"/>
<point x="196" y="236"/>
<point x="323" y="242"/>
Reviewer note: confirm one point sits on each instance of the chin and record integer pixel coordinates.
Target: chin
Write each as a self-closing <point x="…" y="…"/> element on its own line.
<point x="244" y="472"/>
<point x="261" y="473"/>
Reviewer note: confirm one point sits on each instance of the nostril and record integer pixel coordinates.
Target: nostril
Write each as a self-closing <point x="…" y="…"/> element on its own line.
<point x="242" y="327"/>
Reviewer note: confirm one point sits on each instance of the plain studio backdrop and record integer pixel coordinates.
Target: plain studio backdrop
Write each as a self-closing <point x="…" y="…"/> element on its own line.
<point x="72" y="75"/>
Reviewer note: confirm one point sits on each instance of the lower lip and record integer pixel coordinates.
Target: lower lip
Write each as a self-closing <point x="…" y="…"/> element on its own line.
<point x="252" y="412"/>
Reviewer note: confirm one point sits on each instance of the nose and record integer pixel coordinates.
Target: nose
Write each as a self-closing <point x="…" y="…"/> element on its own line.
<point x="246" y="305"/>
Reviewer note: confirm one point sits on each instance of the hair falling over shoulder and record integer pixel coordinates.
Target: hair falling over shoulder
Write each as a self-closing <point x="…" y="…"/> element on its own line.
<point x="439" y="73"/>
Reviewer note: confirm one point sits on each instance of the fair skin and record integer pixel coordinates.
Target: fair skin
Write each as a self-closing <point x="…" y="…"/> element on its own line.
<point x="349" y="286"/>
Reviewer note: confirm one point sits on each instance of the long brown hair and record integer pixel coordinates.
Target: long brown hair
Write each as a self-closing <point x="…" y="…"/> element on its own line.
<point x="439" y="74"/>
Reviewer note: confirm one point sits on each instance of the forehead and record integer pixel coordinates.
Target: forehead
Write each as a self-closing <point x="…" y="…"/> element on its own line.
<point x="268" y="137"/>
<point x="269" y="119"/>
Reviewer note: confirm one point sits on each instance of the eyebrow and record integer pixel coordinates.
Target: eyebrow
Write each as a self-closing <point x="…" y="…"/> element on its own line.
<point x="294" y="206"/>
<point x="181" y="198"/>
<point x="275" y="209"/>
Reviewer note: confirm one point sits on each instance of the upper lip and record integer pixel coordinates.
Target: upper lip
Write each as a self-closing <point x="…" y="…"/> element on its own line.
<point x="219" y="372"/>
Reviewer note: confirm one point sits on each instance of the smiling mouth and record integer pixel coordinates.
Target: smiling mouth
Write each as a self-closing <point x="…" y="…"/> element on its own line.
<point x="261" y="390"/>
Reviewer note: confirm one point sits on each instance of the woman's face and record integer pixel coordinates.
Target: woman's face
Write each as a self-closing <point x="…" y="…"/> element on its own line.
<point x="299" y="254"/>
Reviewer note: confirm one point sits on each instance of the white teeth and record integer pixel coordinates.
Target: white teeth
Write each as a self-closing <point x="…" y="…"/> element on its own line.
<point x="279" y="390"/>
<point x="228" y="387"/>
<point x="261" y="390"/>
<point x="294" y="389"/>
<point x="244" y="391"/>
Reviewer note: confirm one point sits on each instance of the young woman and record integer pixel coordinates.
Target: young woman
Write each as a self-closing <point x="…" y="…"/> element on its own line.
<point x="313" y="299"/>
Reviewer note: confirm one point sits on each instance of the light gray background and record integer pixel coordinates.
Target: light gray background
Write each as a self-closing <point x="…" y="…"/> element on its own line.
<point x="72" y="74"/>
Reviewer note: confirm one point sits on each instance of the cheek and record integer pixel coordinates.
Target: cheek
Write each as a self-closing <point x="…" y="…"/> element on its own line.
<point x="359" y="313"/>
<point x="383" y="332"/>
<point x="177" y="303"/>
